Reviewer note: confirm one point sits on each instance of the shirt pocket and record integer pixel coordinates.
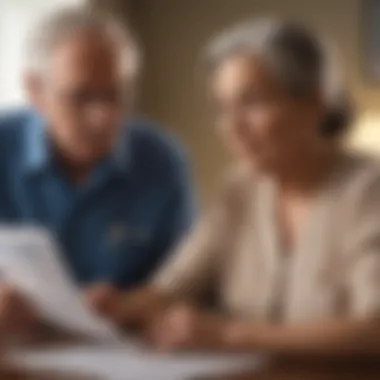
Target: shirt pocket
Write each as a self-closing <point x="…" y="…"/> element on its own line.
<point x="123" y="237"/>
<point x="129" y="253"/>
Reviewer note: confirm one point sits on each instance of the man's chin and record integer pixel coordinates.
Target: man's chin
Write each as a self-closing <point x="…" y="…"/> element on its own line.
<point x="91" y="155"/>
<point x="87" y="160"/>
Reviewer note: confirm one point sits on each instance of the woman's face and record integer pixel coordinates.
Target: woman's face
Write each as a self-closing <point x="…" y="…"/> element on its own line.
<point x="258" y="120"/>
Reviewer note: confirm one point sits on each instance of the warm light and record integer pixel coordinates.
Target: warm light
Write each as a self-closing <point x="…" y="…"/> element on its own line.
<point x="16" y="18"/>
<point x="366" y="134"/>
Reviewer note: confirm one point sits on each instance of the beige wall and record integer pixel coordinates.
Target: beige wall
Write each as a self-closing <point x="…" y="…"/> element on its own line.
<point x="173" y="33"/>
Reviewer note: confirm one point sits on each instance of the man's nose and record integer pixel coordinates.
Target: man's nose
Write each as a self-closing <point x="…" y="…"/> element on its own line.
<point x="239" y="125"/>
<point x="100" y="115"/>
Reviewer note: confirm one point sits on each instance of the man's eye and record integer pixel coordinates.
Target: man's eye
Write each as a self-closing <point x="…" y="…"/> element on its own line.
<point x="84" y="97"/>
<point x="113" y="97"/>
<point x="255" y="100"/>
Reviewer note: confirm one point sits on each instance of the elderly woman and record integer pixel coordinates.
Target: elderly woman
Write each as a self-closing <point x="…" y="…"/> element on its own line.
<point x="291" y="248"/>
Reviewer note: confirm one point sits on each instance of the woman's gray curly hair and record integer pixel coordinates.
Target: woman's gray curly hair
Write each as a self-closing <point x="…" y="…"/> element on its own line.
<point x="296" y="56"/>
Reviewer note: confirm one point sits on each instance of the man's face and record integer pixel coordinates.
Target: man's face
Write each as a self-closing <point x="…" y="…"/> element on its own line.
<point x="83" y="96"/>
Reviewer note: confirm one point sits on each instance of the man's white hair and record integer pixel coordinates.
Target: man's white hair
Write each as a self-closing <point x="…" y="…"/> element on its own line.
<point x="69" y="21"/>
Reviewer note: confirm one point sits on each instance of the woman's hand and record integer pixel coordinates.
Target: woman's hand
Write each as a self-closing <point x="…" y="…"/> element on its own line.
<point x="105" y="300"/>
<point x="183" y="327"/>
<point x="128" y="309"/>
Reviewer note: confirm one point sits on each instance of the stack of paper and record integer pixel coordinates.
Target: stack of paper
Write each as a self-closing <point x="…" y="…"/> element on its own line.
<point x="30" y="261"/>
<point x="116" y="363"/>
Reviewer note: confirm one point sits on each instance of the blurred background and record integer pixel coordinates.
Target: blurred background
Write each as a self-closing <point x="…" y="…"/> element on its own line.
<point x="173" y="34"/>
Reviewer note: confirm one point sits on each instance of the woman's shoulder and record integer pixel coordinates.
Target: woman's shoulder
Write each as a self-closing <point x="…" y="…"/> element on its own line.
<point x="234" y="189"/>
<point x="238" y="182"/>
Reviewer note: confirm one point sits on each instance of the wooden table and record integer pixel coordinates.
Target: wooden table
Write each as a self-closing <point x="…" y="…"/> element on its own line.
<point x="296" y="374"/>
<point x="281" y="371"/>
<point x="308" y="369"/>
<point x="20" y="375"/>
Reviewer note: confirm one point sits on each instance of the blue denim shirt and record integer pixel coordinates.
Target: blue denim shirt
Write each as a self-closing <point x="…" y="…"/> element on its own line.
<point x="121" y="222"/>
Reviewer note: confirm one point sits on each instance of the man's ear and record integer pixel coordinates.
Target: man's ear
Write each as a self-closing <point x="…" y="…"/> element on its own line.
<point x="32" y="84"/>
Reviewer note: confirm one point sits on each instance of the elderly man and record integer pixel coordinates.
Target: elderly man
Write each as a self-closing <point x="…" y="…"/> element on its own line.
<point x="114" y="191"/>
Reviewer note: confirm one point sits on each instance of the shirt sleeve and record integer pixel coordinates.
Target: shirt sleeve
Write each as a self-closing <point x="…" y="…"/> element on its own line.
<point x="181" y="210"/>
<point x="190" y="269"/>
<point x="175" y="219"/>
<point x="364" y="259"/>
<point x="193" y="267"/>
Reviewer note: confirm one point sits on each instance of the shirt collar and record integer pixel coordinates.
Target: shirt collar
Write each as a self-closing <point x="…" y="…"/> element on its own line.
<point x="38" y="156"/>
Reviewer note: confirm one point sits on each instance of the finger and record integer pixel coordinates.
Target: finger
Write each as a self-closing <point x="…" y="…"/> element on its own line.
<point x="157" y="333"/>
<point x="96" y="303"/>
<point x="166" y="337"/>
<point x="101" y="298"/>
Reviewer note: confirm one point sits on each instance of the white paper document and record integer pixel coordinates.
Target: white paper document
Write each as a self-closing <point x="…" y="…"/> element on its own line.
<point x="115" y="363"/>
<point x="30" y="261"/>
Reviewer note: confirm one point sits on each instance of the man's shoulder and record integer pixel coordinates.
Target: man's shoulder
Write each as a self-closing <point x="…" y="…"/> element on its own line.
<point x="151" y="145"/>
<point x="13" y="121"/>
<point x="14" y="117"/>
<point x="12" y="125"/>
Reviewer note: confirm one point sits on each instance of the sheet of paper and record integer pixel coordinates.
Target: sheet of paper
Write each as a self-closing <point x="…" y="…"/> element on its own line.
<point x="115" y="363"/>
<point x="30" y="260"/>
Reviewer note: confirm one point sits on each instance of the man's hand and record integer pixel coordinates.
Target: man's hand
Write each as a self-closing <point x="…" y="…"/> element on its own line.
<point x="105" y="300"/>
<point x="16" y="314"/>
<point x="183" y="327"/>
